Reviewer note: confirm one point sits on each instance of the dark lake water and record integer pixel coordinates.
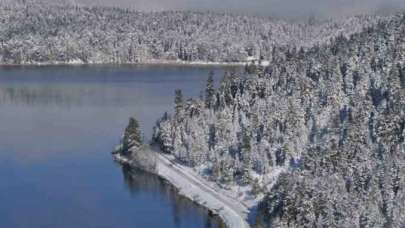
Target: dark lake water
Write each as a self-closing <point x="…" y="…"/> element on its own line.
<point x="58" y="125"/>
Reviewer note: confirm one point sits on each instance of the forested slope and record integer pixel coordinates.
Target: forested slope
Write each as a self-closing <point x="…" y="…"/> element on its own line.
<point x="32" y="31"/>
<point x="331" y="119"/>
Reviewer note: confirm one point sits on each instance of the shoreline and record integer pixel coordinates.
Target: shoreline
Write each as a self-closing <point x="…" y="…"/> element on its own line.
<point x="232" y="213"/>
<point x="144" y="63"/>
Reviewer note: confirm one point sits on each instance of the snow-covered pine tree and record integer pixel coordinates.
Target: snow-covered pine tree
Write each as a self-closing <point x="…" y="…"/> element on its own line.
<point x="210" y="91"/>
<point x="132" y="136"/>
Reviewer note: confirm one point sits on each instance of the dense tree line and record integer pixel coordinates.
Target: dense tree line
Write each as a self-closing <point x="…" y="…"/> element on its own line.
<point x="35" y="32"/>
<point x="330" y="119"/>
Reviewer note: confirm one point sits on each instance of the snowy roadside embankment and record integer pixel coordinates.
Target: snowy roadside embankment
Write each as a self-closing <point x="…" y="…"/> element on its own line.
<point x="232" y="212"/>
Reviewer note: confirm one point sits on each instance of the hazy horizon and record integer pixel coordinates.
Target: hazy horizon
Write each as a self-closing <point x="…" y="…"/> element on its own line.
<point x="291" y="9"/>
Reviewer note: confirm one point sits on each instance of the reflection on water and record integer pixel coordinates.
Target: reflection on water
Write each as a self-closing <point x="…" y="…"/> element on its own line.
<point x="61" y="95"/>
<point x="58" y="126"/>
<point x="138" y="181"/>
<point x="58" y="95"/>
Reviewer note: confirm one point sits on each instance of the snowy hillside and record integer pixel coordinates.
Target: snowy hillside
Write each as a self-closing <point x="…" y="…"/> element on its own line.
<point x="32" y="32"/>
<point x="329" y="122"/>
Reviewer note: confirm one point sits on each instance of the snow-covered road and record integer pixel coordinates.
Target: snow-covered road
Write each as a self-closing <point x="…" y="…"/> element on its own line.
<point x="232" y="212"/>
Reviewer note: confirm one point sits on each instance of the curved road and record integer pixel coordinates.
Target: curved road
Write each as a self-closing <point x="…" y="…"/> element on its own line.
<point x="230" y="210"/>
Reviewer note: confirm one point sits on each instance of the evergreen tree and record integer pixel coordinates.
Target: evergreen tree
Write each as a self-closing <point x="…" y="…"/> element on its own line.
<point x="246" y="159"/>
<point x="402" y="75"/>
<point x="212" y="137"/>
<point x="132" y="136"/>
<point x="256" y="188"/>
<point x="210" y="91"/>
<point x="216" y="171"/>
<point x="178" y="101"/>
<point x="227" y="172"/>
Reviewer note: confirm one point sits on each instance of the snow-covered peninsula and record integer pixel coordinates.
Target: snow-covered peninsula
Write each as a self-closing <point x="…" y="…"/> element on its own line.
<point x="310" y="139"/>
<point x="133" y="152"/>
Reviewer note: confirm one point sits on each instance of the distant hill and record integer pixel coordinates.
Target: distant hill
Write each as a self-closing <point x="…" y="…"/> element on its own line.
<point x="32" y="32"/>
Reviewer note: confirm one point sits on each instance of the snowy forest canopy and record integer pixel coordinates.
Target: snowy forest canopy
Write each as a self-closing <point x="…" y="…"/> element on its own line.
<point x="330" y="119"/>
<point x="34" y="32"/>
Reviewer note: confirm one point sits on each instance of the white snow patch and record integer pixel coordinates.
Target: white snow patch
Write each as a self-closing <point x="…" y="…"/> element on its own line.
<point x="265" y="63"/>
<point x="251" y="58"/>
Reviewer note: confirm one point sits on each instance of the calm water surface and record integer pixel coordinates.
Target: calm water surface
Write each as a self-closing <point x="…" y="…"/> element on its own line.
<point x="57" y="128"/>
